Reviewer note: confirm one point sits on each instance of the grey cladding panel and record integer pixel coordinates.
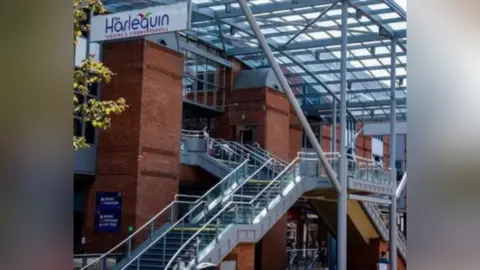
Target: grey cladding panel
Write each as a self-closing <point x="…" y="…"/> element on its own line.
<point x="256" y="78"/>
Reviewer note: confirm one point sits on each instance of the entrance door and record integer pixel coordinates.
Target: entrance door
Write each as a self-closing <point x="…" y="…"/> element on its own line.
<point x="246" y="136"/>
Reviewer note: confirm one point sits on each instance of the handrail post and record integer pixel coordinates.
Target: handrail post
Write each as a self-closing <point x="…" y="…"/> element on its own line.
<point x="217" y="228"/>
<point x="252" y="212"/>
<point x="197" y="249"/>
<point x="103" y="263"/>
<point x="181" y="234"/>
<point x="164" y="247"/>
<point x="268" y="199"/>
<point x="129" y="248"/>
<point x="152" y="229"/>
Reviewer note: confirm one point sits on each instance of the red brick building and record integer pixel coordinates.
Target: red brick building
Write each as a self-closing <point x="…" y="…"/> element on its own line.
<point x="139" y="156"/>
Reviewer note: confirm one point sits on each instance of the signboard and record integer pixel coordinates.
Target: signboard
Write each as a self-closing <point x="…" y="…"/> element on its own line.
<point x="108" y="212"/>
<point x="140" y="22"/>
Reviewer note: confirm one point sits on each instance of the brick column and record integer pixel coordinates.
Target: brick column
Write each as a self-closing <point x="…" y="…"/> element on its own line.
<point x="139" y="155"/>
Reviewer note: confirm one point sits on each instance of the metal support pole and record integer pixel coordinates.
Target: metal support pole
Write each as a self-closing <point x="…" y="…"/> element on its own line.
<point x="343" y="195"/>
<point x="393" y="171"/>
<point x="401" y="186"/>
<point x="334" y="132"/>
<point x="286" y="87"/>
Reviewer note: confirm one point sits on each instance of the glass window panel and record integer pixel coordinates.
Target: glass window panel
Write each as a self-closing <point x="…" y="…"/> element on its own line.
<point x="390" y="15"/>
<point x="398" y="25"/>
<point x="89" y="133"/>
<point x="77" y="127"/>
<point x="319" y="35"/>
<point x="377" y="6"/>
<point x="335" y="33"/>
<point x="385" y="60"/>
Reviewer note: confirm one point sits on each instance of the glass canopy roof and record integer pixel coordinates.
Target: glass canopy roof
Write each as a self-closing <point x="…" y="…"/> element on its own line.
<point x="305" y="37"/>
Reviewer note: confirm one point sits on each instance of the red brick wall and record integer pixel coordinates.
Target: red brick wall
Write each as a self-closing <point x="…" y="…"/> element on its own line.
<point x="277" y="135"/>
<point x="386" y="151"/>
<point x="139" y="154"/>
<point x="243" y="255"/>
<point x="295" y="141"/>
<point x="363" y="256"/>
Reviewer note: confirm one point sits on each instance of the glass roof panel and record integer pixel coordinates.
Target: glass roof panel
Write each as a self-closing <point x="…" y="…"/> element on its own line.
<point x="281" y="19"/>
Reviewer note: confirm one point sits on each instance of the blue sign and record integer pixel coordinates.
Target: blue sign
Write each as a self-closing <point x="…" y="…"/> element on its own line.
<point x="108" y="212"/>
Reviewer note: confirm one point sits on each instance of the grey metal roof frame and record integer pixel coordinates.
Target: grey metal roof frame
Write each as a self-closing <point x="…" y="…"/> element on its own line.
<point x="304" y="36"/>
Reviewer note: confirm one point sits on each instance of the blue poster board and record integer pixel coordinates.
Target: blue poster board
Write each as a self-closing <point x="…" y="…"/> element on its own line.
<point x="108" y="211"/>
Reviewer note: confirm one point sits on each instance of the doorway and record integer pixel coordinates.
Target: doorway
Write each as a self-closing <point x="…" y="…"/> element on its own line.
<point x="246" y="136"/>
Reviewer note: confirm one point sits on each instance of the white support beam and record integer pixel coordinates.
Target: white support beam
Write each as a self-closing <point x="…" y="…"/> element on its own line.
<point x="373" y="129"/>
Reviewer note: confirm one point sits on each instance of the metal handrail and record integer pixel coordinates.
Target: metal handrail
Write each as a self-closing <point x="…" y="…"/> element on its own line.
<point x="223" y="210"/>
<point x="269" y="154"/>
<point x="186" y="196"/>
<point x="221" y="145"/>
<point x="89" y="255"/>
<point x="275" y="179"/>
<point x="221" y="181"/>
<point x="250" y="177"/>
<point x="191" y="133"/>
<point x="244" y="148"/>
<point x="134" y="233"/>
<point x="200" y="230"/>
<point x="160" y="237"/>
<point x="263" y="158"/>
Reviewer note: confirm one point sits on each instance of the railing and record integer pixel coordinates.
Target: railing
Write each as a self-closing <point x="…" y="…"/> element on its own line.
<point x="265" y="153"/>
<point x="276" y="166"/>
<point x="359" y="168"/>
<point x="81" y="260"/>
<point x="375" y="215"/>
<point x="189" y="134"/>
<point x="145" y="232"/>
<point x="288" y="175"/>
<point x="239" y="189"/>
<point x="222" y="189"/>
<point x="180" y="224"/>
<point x="241" y="148"/>
<point x="234" y="212"/>
<point x="303" y="259"/>
<point x="224" y="151"/>
<point x="184" y="253"/>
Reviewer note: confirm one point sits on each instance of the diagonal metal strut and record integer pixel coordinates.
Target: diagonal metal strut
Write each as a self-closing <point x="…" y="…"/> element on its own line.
<point x="291" y="97"/>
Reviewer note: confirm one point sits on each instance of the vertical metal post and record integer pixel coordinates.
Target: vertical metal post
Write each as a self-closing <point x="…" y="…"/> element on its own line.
<point x="393" y="171"/>
<point x="334" y="134"/>
<point x="288" y="91"/>
<point x="342" y="196"/>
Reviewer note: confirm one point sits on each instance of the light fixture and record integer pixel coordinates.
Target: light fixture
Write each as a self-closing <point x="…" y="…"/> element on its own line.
<point x="232" y="30"/>
<point x="400" y="81"/>
<point x="349" y="85"/>
<point x="317" y="55"/>
<point x="372" y="50"/>
<point x="294" y="1"/>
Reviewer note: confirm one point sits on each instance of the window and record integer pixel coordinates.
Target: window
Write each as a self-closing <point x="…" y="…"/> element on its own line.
<point x="203" y="80"/>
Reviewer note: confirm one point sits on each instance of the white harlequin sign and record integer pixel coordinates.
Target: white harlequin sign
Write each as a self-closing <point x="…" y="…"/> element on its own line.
<point x="140" y="22"/>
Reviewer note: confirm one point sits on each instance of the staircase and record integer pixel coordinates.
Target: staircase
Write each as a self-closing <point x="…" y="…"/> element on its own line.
<point x="258" y="190"/>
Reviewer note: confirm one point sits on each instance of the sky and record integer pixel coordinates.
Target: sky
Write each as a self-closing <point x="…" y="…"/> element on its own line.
<point x="402" y="3"/>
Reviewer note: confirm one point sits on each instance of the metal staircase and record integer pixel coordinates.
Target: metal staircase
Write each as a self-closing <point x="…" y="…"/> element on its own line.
<point x="153" y="246"/>
<point x="257" y="191"/>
